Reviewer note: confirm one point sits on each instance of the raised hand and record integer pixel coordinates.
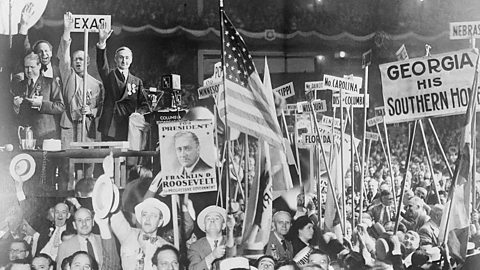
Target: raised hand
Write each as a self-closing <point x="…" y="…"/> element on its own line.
<point x="27" y="14"/>
<point x="103" y="33"/>
<point x="67" y="22"/>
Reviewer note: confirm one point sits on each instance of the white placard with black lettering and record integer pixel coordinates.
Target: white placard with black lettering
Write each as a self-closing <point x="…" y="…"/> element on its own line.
<point x="313" y="139"/>
<point x="210" y="90"/>
<point x="319" y="105"/>
<point x="187" y="157"/>
<point x="285" y="90"/>
<point x="374" y="120"/>
<point x="311" y="86"/>
<point x="371" y="136"/>
<point x="342" y="84"/>
<point x="427" y="87"/>
<point x="357" y="100"/>
<point x="90" y="22"/>
<point x="464" y="30"/>
<point x="290" y="109"/>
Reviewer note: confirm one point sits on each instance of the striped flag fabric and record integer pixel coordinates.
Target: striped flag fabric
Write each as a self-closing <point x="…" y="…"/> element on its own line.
<point x="246" y="103"/>
<point x="455" y="223"/>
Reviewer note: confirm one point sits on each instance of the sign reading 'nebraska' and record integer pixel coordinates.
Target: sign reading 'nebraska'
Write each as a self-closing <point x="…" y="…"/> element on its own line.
<point x="341" y="84"/>
<point x="464" y="30"/>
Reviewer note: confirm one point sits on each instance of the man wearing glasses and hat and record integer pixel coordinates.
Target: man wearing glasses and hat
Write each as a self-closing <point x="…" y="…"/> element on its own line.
<point x="139" y="245"/>
<point x="207" y="251"/>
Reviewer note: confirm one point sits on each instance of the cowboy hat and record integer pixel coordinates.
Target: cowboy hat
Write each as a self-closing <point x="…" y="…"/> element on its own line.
<point x="208" y="210"/>
<point x="102" y="196"/>
<point x="155" y="203"/>
<point x="22" y="167"/>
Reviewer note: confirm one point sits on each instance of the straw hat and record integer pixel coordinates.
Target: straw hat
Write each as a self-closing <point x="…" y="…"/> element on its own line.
<point x="208" y="210"/>
<point x="155" y="203"/>
<point x="22" y="167"/>
<point x="103" y="196"/>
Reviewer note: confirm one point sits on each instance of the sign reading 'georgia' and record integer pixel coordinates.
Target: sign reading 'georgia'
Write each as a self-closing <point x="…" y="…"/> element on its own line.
<point x="427" y="87"/>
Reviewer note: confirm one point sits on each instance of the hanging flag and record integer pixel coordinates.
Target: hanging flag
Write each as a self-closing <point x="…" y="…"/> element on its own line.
<point x="279" y="167"/>
<point x="247" y="106"/>
<point x="458" y="207"/>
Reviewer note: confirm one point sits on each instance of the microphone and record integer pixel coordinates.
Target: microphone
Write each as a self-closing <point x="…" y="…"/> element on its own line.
<point x="6" y="148"/>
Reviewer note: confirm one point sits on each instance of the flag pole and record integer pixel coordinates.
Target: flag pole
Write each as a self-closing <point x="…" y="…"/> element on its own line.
<point x="352" y="165"/>
<point x="85" y="78"/>
<point x="474" y="143"/>
<point x="429" y="160"/>
<point x="444" y="156"/>
<point x="227" y="131"/>
<point x="389" y="162"/>
<point x="407" y="164"/>
<point x="362" y="163"/>
<point x="296" y="151"/>
<point x="342" y="169"/>
<point x="329" y="176"/>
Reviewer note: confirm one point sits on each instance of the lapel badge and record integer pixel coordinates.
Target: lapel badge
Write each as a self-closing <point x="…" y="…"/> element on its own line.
<point x="134" y="88"/>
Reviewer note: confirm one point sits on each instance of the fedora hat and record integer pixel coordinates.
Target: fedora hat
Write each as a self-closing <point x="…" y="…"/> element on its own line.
<point x="102" y="196"/>
<point x="208" y="210"/>
<point x="155" y="203"/>
<point x="116" y="199"/>
<point x="22" y="167"/>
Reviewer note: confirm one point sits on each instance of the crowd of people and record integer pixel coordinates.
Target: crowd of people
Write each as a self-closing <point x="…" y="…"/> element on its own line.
<point x="140" y="235"/>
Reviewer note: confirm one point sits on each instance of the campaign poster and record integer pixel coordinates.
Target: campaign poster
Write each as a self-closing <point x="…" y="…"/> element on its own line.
<point x="187" y="157"/>
<point x="437" y="85"/>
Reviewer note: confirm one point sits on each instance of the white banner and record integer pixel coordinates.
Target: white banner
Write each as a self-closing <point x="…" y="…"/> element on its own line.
<point x="285" y="90"/>
<point x="342" y="84"/>
<point x="90" y="22"/>
<point x="464" y="30"/>
<point x="187" y="156"/>
<point x="357" y="100"/>
<point x="427" y="87"/>
<point x="371" y="136"/>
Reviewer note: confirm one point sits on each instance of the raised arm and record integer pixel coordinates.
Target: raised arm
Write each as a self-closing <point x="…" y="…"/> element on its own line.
<point x="63" y="53"/>
<point x="102" y="61"/>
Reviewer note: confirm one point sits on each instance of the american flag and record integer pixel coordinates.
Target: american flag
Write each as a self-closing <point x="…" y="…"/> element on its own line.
<point x="247" y="106"/>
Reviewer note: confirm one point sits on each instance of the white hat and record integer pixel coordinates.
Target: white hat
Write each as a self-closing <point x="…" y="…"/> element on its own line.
<point x="22" y="167"/>
<point x="208" y="210"/>
<point x="155" y="203"/>
<point x="103" y="196"/>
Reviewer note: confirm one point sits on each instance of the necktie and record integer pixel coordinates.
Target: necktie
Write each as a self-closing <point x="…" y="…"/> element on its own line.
<point x="215" y="243"/>
<point x="284" y="245"/>
<point x="90" y="249"/>
<point x="30" y="87"/>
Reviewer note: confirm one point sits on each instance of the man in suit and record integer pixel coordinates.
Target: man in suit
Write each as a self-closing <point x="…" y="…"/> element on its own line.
<point x="85" y="240"/>
<point x="383" y="212"/>
<point x="187" y="148"/>
<point x="37" y="100"/>
<point x="208" y="250"/>
<point x="61" y="216"/>
<point x="49" y="69"/>
<point x="167" y="258"/>
<point x="137" y="246"/>
<point x="431" y="229"/>
<point x="73" y="75"/>
<point x="123" y="95"/>
<point x="278" y="247"/>
<point x="417" y="213"/>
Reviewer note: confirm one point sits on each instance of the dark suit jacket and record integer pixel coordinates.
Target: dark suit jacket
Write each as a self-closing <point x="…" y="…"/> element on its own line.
<point x="42" y="122"/>
<point x="121" y="99"/>
<point x="200" y="167"/>
<point x="199" y="250"/>
<point x="72" y="245"/>
<point x="281" y="253"/>
<point x="376" y="212"/>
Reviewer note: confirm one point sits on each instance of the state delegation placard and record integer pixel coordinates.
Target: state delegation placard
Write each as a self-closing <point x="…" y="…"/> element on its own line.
<point x="187" y="156"/>
<point x="427" y="87"/>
